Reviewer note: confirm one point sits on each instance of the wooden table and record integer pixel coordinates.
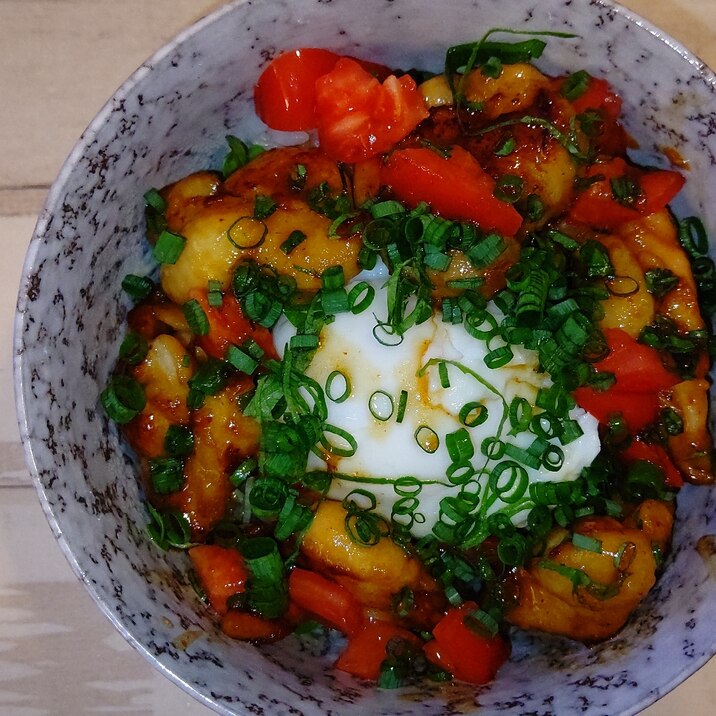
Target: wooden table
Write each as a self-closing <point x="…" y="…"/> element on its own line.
<point x="61" y="59"/>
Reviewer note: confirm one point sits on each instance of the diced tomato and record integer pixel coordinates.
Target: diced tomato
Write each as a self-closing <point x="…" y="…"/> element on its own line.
<point x="599" y="95"/>
<point x="455" y="186"/>
<point x="636" y="367"/>
<point x="365" y="651"/>
<point x="329" y="602"/>
<point x="221" y="572"/>
<point x="640" y="375"/>
<point x="249" y="627"/>
<point x="227" y="325"/>
<point x="637" y="409"/>
<point x="657" y="455"/>
<point x="359" y="117"/>
<point x="467" y="655"/>
<point x="285" y="94"/>
<point x="597" y="205"/>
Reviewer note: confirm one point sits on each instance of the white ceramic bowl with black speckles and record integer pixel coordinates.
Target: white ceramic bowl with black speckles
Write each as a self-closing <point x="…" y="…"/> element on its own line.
<point x="169" y="119"/>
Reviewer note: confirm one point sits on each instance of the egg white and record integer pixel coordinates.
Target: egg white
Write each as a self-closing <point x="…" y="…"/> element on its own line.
<point x="388" y="449"/>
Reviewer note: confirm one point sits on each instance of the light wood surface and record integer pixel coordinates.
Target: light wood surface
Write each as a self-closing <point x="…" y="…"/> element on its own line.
<point x="60" y="61"/>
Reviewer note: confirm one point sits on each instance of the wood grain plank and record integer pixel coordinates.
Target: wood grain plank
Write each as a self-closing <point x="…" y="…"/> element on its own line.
<point x="61" y="61"/>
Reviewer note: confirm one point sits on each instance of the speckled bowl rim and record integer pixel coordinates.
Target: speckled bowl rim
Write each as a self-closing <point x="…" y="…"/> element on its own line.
<point x="49" y="208"/>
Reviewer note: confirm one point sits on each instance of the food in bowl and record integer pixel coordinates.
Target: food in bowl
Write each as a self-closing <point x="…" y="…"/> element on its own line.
<point x="439" y="373"/>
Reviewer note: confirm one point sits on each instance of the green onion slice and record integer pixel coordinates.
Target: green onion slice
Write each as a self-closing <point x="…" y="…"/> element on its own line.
<point x="509" y="481"/>
<point x="381" y="405"/>
<point x="402" y="404"/>
<point x="137" y="287"/>
<point x="350" y="445"/>
<point x="123" y="399"/>
<point x="427" y="438"/>
<point x="247" y="232"/>
<point x="169" y="247"/>
<point x="179" y="441"/>
<point x="241" y="360"/>
<point x="590" y="544"/>
<point x="167" y="474"/>
<point x="473" y="414"/>
<point x="215" y="294"/>
<point x="134" y="349"/>
<point x="295" y="238"/>
<point x="346" y="385"/>
<point x="360" y="297"/>
<point x="196" y="317"/>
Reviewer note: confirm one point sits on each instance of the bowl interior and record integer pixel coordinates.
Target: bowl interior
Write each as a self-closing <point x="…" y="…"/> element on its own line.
<point x="169" y="119"/>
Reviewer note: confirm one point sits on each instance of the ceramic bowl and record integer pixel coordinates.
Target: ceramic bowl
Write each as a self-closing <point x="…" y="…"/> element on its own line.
<point x="169" y="119"/>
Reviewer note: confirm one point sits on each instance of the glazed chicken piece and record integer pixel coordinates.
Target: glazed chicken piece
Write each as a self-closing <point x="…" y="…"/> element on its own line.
<point x="587" y="592"/>
<point x="222" y="229"/>
<point x="373" y="574"/>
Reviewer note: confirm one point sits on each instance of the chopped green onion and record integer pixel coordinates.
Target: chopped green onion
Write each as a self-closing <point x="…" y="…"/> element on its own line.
<point x="459" y="445"/>
<point x="179" y="441"/>
<point x="247" y="232"/>
<point x="381" y="405"/>
<point x="167" y="474"/>
<point x="134" y="349"/>
<point x="553" y="458"/>
<point x="295" y="238"/>
<point x="443" y="374"/>
<point x="334" y="301"/>
<point x="299" y="175"/>
<point x="169" y="247"/>
<point x="386" y="208"/>
<point x="168" y="529"/>
<point x="154" y="199"/>
<point x="243" y="472"/>
<point x="363" y="291"/>
<point x="546" y="426"/>
<point x="520" y="414"/>
<point x="241" y="360"/>
<point x="459" y="473"/>
<point x="239" y="155"/>
<point x="294" y="518"/>
<point x="268" y="495"/>
<point x="195" y="317"/>
<point x="481" y="324"/>
<point x="590" y="544"/>
<point x="693" y="236"/>
<point x="333" y="278"/>
<point x="264" y="206"/>
<point x="481" y="623"/>
<point x="509" y="188"/>
<point x="427" y="438"/>
<point x="266" y="587"/>
<point x="534" y="208"/>
<point x="660" y="281"/>
<point x="349" y="440"/>
<point x="512" y="550"/>
<point x="506" y="148"/>
<point x="509" y="481"/>
<point x="486" y="251"/>
<point x="498" y="357"/>
<point x="402" y="404"/>
<point x="123" y="399"/>
<point x="137" y="287"/>
<point x="492" y="447"/>
<point x="215" y="294"/>
<point x="345" y="393"/>
<point x="472" y="414"/>
<point x="625" y="190"/>
<point x="575" y="85"/>
<point x="304" y="341"/>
